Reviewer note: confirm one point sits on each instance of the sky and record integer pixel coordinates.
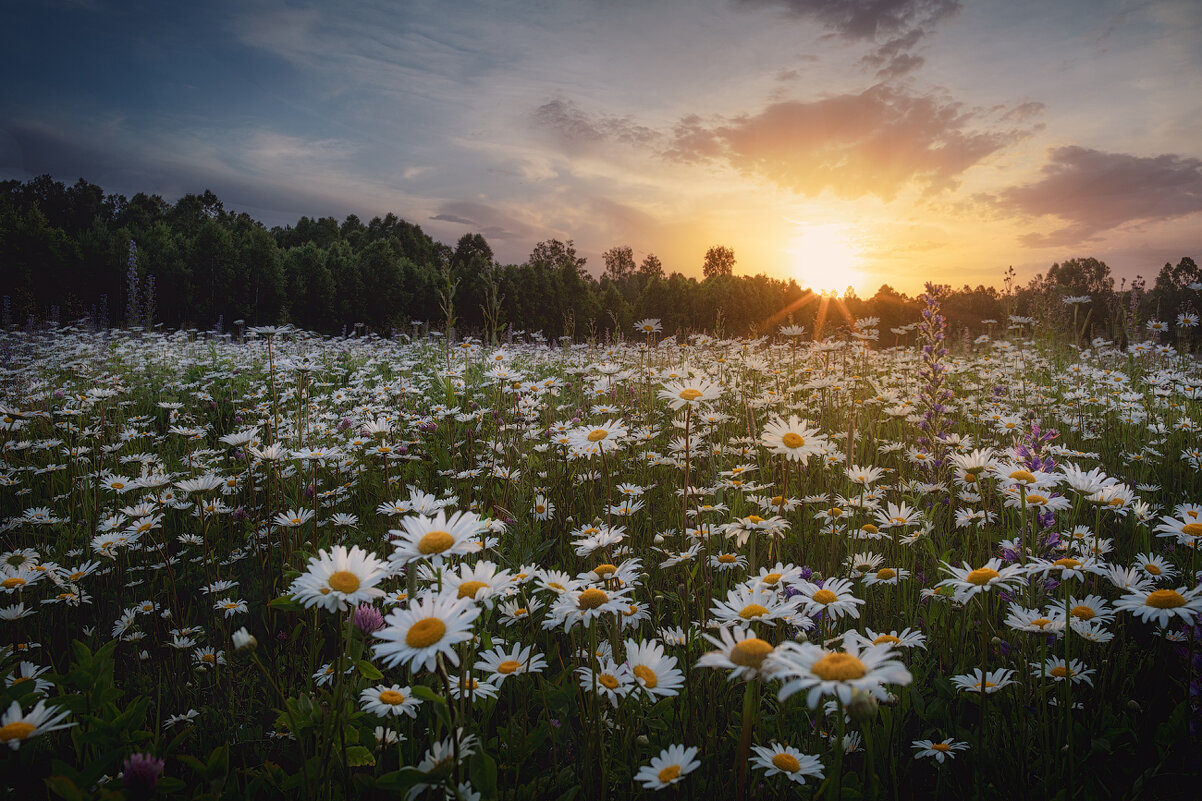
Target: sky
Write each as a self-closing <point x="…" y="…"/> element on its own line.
<point x="836" y="142"/>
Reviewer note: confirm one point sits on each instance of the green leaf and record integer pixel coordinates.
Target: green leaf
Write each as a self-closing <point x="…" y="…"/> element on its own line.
<point x="357" y="756"/>
<point x="483" y="772"/>
<point x="400" y="780"/>
<point x="426" y="694"/>
<point x="64" y="788"/>
<point x="368" y="671"/>
<point x="285" y="603"/>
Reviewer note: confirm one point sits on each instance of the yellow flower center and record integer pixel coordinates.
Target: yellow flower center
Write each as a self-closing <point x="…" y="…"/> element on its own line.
<point x="14" y="581"/>
<point x="1067" y="562"/>
<point x="1192" y="529"/>
<point x="825" y="596"/>
<point x="752" y="610"/>
<point x="605" y="569"/>
<point x="1024" y="476"/>
<point x="886" y="638"/>
<point x="1082" y="612"/>
<point x="792" y="440"/>
<point x="17" y="730"/>
<point x="650" y="680"/>
<point x="777" y="500"/>
<point x="771" y="578"/>
<point x="1036" y="500"/>
<point x="982" y="576"/>
<point x="117" y="485"/>
<point x="591" y="598"/>
<point x="508" y="666"/>
<point x="597" y="434"/>
<point x="391" y="697"/>
<point x="886" y="573"/>
<point x="555" y="585"/>
<point x="521" y="610"/>
<point x="755" y="519"/>
<point x="425" y="632"/>
<point x="1165" y="599"/>
<point x="1153" y="569"/>
<point x="670" y="773"/>
<point x="838" y="667"/>
<point x="435" y="542"/>
<point x="750" y="652"/>
<point x="210" y="658"/>
<point x="786" y="762"/>
<point x="1060" y="671"/>
<point x="468" y="589"/>
<point x="869" y="528"/>
<point x="607" y="681"/>
<point x="728" y="558"/>
<point x="344" y="581"/>
<point x="690" y="394"/>
<point x="941" y="747"/>
<point x="1040" y="622"/>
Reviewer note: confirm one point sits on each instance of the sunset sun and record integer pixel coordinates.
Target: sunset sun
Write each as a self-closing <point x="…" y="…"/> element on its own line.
<point x="826" y="258"/>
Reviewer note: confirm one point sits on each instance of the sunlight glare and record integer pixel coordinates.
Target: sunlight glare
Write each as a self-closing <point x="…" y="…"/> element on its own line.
<point x="825" y="258"/>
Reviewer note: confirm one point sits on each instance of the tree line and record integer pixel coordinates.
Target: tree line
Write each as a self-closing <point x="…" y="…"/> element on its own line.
<point x="75" y="253"/>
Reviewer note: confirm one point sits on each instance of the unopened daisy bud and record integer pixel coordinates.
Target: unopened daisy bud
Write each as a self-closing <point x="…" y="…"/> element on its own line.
<point x="862" y="707"/>
<point x="244" y="640"/>
<point x="642" y="740"/>
<point x="1134" y="706"/>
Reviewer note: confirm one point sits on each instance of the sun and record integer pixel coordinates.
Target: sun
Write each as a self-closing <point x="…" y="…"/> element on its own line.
<point x="825" y="258"/>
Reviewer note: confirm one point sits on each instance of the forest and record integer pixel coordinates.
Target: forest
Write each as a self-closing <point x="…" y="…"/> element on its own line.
<point x="77" y="255"/>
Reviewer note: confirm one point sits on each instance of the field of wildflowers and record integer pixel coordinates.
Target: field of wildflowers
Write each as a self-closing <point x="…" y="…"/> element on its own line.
<point x="289" y="566"/>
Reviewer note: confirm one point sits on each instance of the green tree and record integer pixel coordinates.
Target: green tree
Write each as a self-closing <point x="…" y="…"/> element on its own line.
<point x="619" y="263"/>
<point x="719" y="260"/>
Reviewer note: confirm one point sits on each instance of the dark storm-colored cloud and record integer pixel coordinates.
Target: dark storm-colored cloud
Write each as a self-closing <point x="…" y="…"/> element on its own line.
<point x="872" y="143"/>
<point x="1093" y="192"/>
<point x="865" y="19"/>
<point x="576" y="129"/>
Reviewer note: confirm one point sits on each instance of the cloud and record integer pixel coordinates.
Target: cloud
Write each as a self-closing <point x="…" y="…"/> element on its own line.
<point x="865" y="19"/>
<point x="901" y="24"/>
<point x="576" y="129"/>
<point x="482" y="218"/>
<point x="873" y="143"/>
<point x="1093" y="192"/>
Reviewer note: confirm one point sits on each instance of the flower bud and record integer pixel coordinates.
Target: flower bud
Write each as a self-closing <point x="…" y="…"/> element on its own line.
<point x="244" y="640"/>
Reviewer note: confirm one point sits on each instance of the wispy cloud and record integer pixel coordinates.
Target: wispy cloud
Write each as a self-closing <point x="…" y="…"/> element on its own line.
<point x="575" y="129"/>
<point x="865" y="19"/>
<point x="873" y="143"/>
<point x="1094" y="192"/>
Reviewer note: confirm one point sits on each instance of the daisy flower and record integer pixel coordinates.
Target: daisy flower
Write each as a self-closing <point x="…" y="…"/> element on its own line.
<point x="689" y="392"/>
<point x="394" y="700"/>
<point x="805" y="666"/>
<point x="740" y="652"/>
<point x="990" y="683"/>
<point x="418" y="634"/>
<point x="672" y="765"/>
<point x="611" y="680"/>
<point x="16" y="727"/>
<point x="437" y="538"/>
<point x="339" y="579"/>
<point x="293" y="518"/>
<point x="1155" y="566"/>
<point x="1060" y="670"/>
<point x="606" y="435"/>
<point x="940" y="751"/>
<point x="792" y="439"/>
<point x="886" y="575"/>
<point x="786" y="760"/>
<point x="515" y="661"/>
<point x="834" y="597"/>
<point x="906" y="638"/>
<point x="656" y="673"/>
<point x="754" y="603"/>
<point x="967" y="581"/>
<point x="480" y="582"/>
<point x="1161" y="606"/>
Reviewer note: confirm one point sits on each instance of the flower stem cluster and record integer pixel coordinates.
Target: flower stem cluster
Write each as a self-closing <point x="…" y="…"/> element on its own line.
<point x="933" y="394"/>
